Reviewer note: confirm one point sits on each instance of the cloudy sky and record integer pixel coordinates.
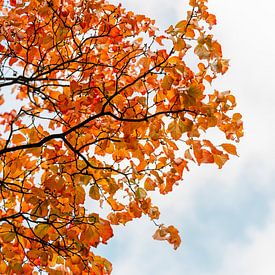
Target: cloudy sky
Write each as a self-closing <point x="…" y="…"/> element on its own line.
<point x="226" y="217"/>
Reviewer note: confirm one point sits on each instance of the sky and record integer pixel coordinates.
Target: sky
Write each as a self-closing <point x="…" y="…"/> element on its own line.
<point x="226" y="217"/>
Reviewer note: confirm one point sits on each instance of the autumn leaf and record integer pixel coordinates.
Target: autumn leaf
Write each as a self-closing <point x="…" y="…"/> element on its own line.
<point x="105" y="231"/>
<point x="179" y="44"/>
<point x="169" y="234"/>
<point x="149" y="184"/>
<point x="181" y="25"/>
<point x="18" y="138"/>
<point x="90" y="236"/>
<point x="13" y="2"/>
<point x="140" y="193"/>
<point x="220" y="160"/>
<point x="195" y="91"/>
<point x="106" y="110"/>
<point x="211" y="20"/>
<point x="94" y="192"/>
<point x="167" y="82"/>
<point x="3" y="267"/>
<point x="202" y="52"/>
<point x="229" y="148"/>
<point x="115" y="205"/>
<point x="6" y="233"/>
<point x="175" y="130"/>
<point x="41" y="230"/>
<point x="159" y="39"/>
<point x="1" y="99"/>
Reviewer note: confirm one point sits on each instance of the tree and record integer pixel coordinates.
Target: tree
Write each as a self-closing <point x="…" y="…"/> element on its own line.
<point x="99" y="109"/>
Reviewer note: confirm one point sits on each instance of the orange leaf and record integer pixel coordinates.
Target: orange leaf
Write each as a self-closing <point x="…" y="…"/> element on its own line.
<point x="41" y="230"/>
<point x="167" y="82"/>
<point x="188" y="155"/>
<point x="13" y="3"/>
<point x="149" y="185"/>
<point x="115" y="205"/>
<point x="229" y="148"/>
<point x="181" y="25"/>
<point x="90" y="236"/>
<point x="179" y="44"/>
<point x="94" y="192"/>
<point x="202" y="52"/>
<point x="1" y="99"/>
<point x="220" y="160"/>
<point x="207" y="156"/>
<point x="159" y="39"/>
<point x="105" y="231"/>
<point x="18" y="138"/>
<point x="3" y="267"/>
<point x="169" y="233"/>
<point x="211" y="20"/>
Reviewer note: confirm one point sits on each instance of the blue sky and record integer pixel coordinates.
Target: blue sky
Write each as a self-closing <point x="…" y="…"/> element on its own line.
<point x="226" y="217"/>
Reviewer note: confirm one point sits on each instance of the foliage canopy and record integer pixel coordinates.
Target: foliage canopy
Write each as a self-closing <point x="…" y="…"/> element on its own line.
<point x="98" y="108"/>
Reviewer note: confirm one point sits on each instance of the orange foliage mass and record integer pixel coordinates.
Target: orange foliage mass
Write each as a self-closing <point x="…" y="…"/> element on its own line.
<point x="107" y="110"/>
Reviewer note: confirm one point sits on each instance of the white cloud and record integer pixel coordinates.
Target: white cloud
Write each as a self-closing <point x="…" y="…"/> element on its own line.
<point x="164" y="12"/>
<point x="254" y="257"/>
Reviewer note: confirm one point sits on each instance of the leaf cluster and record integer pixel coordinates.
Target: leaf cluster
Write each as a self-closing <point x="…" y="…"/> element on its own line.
<point x="104" y="113"/>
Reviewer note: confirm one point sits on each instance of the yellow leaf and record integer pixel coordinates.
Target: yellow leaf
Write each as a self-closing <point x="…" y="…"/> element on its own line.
<point x="181" y="25"/>
<point x="173" y="60"/>
<point x="140" y="193"/>
<point x="179" y="44"/>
